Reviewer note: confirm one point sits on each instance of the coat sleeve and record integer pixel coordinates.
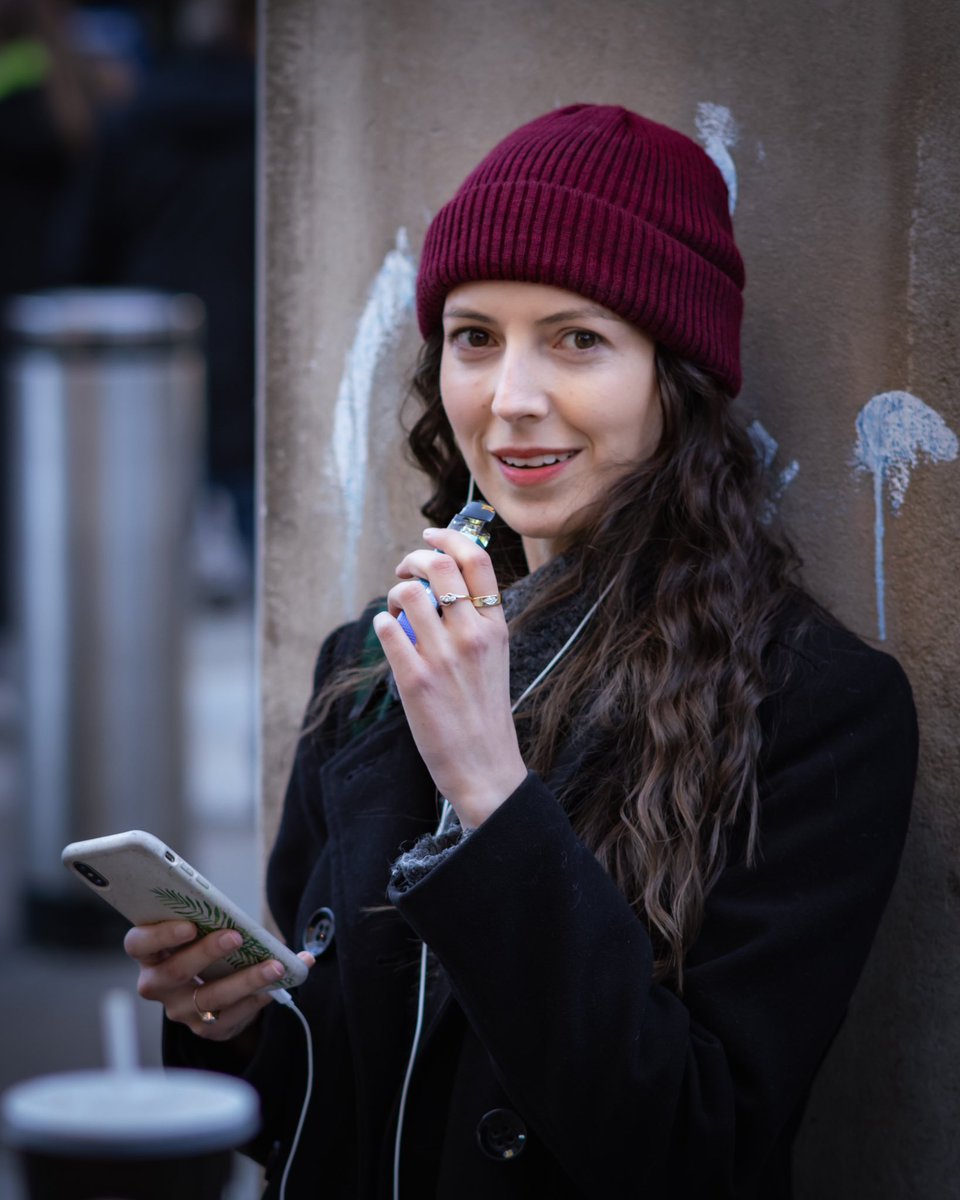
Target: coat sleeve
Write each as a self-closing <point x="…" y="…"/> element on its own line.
<point x="633" y="1088"/>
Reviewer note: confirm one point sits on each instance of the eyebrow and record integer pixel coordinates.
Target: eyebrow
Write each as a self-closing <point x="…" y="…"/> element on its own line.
<point x="569" y="314"/>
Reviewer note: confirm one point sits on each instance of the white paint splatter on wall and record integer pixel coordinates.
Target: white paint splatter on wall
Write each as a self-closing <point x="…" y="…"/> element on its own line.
<point x="895" y="432"/>
<point x="719" y="132"/>
<point x="388" y="306"/>
<point x="766" y="447"/>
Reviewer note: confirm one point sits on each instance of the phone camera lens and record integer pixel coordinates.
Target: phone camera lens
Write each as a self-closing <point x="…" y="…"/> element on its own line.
<point x="88" y="872"/>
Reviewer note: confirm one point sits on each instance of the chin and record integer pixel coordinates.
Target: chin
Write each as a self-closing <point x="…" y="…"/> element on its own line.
<point x="526" y="527"/>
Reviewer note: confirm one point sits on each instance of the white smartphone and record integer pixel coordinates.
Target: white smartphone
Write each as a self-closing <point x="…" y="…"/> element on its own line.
<point x="147" y="882"/>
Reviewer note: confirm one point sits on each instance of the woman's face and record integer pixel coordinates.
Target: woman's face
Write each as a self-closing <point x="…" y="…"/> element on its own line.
<point x="551" y="398"/>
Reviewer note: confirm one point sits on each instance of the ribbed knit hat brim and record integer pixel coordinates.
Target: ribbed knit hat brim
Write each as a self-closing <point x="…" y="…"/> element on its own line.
<point x="600" y="201"/>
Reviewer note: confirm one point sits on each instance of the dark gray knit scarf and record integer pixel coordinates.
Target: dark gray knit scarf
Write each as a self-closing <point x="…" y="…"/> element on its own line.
<point x="534" y="645"/>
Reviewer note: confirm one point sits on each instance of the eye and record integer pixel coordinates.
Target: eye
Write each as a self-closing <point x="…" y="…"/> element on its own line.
<point x="581" y="339"/>
<point x="470" y="338"/>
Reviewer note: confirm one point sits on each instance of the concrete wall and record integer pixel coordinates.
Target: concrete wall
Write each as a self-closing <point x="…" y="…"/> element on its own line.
<point x="838" y="118"/>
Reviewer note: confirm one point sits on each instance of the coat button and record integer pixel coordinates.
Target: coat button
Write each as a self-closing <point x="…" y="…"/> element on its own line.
<point x="318" y="935"/>
<point x="501" y="1134"/>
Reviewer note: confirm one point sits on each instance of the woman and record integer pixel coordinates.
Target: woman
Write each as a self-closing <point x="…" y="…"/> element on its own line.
<point x="664" y="859"/>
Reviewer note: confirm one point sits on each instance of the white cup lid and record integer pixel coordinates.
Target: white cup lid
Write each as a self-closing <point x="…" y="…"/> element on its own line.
<point x="152" y="1113"/>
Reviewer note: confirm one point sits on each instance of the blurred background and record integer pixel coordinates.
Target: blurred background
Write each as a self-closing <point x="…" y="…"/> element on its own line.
<point x="127" y="214"/>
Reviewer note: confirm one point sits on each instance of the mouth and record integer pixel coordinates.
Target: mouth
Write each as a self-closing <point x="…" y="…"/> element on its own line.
<point x="528" y="462"/>
<point x="525" y="468"/>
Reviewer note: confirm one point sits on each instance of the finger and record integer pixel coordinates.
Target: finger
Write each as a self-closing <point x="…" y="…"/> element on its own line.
<point x="415" y="564"/>
<point x="472" y="560"/>
<point x="411" y="597"/>
<point x="401" y="653"/>
<point x="229" y="1021"/>
<point x="446" y="577"/>
<point x="175" y="969"/>
<point x="234" y="999"/>
<point x="423" y="615"/>
<point x="230" y="990"/>
<point x="153" y="943"/>
<point x="441" y="571"/>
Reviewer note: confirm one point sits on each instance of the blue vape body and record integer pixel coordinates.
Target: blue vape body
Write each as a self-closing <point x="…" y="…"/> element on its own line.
<point x="473" y="521"/>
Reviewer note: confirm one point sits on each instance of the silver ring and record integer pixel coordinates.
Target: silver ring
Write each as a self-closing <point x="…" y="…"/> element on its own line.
<point x="449" y="598"/>
<point x="485" y="601"/>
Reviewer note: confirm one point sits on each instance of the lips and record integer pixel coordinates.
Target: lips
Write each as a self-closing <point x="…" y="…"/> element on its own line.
<point x="532" y="466"/>
<point x="537" y="460"/>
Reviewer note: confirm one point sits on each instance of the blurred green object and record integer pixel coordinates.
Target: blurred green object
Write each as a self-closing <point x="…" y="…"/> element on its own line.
<point x="23" y="64"/>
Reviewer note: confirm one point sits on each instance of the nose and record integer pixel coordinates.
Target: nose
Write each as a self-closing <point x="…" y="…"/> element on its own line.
<point x="520" y="389"/>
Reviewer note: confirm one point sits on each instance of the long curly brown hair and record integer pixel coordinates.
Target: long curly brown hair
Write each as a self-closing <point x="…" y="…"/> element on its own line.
<point x="670" y="673"/>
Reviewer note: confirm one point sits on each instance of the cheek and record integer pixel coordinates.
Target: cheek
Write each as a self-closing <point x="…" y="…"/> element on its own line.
<point x="463" y="410"/>
<point x="457" y="418"/>
<point x="633" y="433"/>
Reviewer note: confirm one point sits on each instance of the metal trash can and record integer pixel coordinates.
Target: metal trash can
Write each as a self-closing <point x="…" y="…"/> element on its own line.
<point x="105" y="392"/>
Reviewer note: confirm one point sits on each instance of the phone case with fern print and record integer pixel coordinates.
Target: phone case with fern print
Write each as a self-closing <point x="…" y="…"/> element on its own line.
<point x="147" y="882"/>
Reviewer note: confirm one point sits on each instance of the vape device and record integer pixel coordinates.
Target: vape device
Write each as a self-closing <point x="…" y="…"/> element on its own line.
<point x="473" y="521"/>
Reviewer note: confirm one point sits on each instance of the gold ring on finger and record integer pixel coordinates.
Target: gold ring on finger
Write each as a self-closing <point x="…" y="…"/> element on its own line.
<point x="485" y="601"/>
<point x="205" y="1014"/>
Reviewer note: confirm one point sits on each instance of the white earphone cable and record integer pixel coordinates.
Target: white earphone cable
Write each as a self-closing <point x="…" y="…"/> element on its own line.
<point x="421" y="1005"/>
<point x="282" y="996"/>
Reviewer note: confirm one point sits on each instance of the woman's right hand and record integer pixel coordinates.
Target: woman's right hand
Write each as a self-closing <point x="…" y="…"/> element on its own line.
<point x="171" y="957"/>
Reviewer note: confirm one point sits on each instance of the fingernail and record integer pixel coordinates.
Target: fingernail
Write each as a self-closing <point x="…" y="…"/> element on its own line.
<point x="272" y="970"/>
<point x="230" y="941"/>
<point x="428" y="533"/>
<point x="183" y="931"/>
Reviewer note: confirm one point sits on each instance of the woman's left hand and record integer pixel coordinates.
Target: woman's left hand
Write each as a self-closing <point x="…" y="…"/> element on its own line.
<point x="455" y="682"/>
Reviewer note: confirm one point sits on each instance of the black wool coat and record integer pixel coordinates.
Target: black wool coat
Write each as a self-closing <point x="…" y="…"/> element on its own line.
<point x="552" y="1064"/>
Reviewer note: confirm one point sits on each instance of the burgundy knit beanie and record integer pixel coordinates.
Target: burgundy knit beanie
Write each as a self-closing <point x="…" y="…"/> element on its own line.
<point x="602" y="202"/>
